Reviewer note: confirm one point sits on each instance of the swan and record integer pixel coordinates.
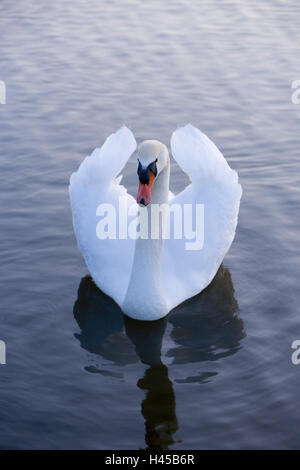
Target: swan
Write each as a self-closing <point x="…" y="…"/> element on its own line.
<point x="149" y="276"/>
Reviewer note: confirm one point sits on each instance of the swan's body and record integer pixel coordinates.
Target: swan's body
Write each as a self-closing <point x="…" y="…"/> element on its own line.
<point x="149" y="277"/>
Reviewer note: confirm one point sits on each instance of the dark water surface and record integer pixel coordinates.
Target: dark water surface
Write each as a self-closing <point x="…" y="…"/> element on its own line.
<point x="218" y="372"/>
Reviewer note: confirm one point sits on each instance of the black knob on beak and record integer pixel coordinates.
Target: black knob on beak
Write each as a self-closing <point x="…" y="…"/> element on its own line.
<point x="143" y="174"/>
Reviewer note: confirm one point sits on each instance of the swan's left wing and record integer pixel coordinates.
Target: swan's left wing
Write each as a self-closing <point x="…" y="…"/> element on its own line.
<point x="108" y="260"/>
<point x="188" y="266"/>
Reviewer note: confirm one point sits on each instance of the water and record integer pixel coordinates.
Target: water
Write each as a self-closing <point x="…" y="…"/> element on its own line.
<point x="218" y="372"/>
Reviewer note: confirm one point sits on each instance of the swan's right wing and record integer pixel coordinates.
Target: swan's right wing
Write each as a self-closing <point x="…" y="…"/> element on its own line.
<point x="214" y="188"/>
<point x="109" y="260"/>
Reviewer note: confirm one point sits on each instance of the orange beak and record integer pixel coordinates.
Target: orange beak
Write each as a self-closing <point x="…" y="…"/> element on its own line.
<point x="145" y="191"/>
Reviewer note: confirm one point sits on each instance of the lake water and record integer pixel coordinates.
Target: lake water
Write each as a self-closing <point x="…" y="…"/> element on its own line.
<point x="217" y="373"/>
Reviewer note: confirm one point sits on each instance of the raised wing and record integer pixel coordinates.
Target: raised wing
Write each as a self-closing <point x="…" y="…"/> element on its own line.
<point x="215" y="186"/>
<point x="109" y="261"/>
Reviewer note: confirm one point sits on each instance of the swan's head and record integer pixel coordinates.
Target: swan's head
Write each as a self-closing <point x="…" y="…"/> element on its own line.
<point x="152" y="159"/>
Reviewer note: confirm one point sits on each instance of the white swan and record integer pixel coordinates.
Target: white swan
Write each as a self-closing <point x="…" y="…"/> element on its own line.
<point x="149" y="277"/>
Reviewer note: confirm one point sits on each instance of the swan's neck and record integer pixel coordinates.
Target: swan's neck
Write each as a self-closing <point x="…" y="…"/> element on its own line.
<point x="145" y="285"/>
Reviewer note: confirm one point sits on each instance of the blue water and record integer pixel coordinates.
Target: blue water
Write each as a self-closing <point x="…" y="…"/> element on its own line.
<point x="217" y="373"/>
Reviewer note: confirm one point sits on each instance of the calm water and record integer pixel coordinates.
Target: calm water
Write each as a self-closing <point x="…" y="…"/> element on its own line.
<point x="217" y="373"/>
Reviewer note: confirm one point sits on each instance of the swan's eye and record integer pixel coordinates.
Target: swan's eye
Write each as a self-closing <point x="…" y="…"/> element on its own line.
<point x="144" y="172"/>
<point x="153" y="167"/>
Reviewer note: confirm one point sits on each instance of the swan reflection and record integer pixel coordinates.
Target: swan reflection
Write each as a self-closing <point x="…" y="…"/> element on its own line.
<point x="203" y="329"/>
<point x="102" y="325"/>
<point x="158" y="407"/>
<point x="207" y="327"/>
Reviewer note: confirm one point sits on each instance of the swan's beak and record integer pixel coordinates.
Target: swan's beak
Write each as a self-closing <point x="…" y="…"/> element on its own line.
<point x="145" y="190"/>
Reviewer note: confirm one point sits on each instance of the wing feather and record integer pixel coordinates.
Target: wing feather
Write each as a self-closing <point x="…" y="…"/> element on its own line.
<point x="215" y="185"/>
<point x="108" y="261"/>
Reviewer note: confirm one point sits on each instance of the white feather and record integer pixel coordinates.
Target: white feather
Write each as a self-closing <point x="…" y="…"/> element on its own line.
<point x="109" y="261"/>
<point x="215" y="185"/>
<point x="184" y="273"/>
